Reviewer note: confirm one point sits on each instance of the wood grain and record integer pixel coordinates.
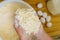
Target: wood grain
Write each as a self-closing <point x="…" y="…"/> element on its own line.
<point x="55" y="29"/>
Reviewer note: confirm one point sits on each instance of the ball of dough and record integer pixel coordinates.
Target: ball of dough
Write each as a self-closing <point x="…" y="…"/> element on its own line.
<point x="28" y="20"/>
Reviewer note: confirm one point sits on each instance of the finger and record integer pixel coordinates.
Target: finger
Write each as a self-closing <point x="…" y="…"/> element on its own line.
<point x="16" y="22"/>
<point x="17" y="27"/>
<point x="20" y="31"/>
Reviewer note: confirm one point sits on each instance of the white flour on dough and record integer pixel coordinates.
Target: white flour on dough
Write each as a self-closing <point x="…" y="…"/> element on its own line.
<point x="29" y="20"/>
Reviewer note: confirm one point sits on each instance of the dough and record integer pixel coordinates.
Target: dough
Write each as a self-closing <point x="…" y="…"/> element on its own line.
<point x="7" y="13"/>
<point x="28" y="20"/>
<point x="54" y="6"/>
<point x="7" y="30"/>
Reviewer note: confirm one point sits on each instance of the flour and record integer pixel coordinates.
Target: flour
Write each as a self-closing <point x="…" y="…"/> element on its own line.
<point x="28" y="20"/>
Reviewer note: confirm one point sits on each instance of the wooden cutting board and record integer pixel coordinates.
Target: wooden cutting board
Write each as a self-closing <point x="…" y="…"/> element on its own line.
<point x="55" y="29"/>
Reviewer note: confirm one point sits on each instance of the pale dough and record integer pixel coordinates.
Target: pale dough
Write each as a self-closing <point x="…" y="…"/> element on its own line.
<point x="28" y="20"/>
<point x="7" y="13"/>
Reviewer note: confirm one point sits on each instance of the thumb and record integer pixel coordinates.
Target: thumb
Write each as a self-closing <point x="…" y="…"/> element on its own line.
<point x="20" y="31"/>
<point x="18" y="28"/>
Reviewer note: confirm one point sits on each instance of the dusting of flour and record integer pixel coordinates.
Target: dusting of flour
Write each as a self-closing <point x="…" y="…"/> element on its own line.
<point x="29" y="20"/>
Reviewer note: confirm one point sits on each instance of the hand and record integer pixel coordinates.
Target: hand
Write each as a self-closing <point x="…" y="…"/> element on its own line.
<point x="42" y="35"/>
<point x="20" y="31"/>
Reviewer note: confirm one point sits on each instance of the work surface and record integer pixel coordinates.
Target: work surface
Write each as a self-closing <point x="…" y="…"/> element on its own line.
<point x="55" y="29"/>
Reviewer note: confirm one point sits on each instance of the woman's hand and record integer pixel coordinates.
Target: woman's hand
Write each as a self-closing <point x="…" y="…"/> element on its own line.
<point x="41" y="35"/>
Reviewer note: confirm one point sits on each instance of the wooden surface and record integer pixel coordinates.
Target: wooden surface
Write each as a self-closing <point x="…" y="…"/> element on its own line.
<point x="55" y="29"/>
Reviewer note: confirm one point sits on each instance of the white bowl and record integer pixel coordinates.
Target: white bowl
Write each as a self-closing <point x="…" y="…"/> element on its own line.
<point x="19" y="1"/>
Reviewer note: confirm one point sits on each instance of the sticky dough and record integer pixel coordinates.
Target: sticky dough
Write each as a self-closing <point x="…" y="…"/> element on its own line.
<point x="7" y="13"/>
<point x="28" y="20"/>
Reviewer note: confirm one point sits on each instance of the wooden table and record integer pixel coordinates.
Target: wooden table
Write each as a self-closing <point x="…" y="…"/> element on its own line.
<point x="55" y="29"/>
<point x="55" y="19"/>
